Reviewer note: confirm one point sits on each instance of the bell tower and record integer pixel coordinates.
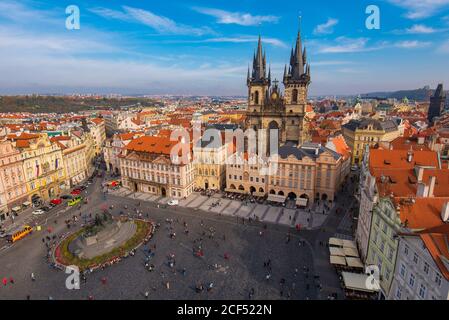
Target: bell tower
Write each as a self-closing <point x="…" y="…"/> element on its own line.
<point x="296" y="84"/>
<point x="258" y="82"/>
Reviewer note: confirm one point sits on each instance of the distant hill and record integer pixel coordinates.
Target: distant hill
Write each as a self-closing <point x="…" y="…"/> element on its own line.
<point x="422" y="94"/>
<point x="64" y="104"/>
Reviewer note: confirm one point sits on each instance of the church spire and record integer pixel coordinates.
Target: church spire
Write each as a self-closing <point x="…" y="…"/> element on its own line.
<point x="297" y="63"/>
<point x="304" y="55"/>
<point x="259" y="63"/>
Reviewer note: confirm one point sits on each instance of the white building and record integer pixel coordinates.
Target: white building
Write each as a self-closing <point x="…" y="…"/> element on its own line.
<point x="422" y="267"/>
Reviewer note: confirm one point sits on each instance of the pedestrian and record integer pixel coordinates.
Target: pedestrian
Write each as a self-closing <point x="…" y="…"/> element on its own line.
<point x="103" y="280"/>
<point x="146" y="294"/>
<point x="5" y="281"/>
<point x="11" y="280"/>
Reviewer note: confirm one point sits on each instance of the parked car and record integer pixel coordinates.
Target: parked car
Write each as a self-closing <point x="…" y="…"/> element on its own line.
<point x="75" y="192"/>
<point x="173" y="202"/>
<point x="66" y="196"/>
<point x="38" y="212"/>
<point x="56" y="201"/>
<point x="75" y="201"/>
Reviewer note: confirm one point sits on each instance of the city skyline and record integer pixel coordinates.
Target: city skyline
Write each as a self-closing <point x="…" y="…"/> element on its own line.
<point x="200" y="48"/>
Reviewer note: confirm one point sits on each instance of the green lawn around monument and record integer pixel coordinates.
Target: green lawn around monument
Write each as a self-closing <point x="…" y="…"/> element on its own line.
<point x="67" y="258"/>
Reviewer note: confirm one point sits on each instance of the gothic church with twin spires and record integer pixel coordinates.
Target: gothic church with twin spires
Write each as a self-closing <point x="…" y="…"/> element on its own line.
<point x="268" y="107"/>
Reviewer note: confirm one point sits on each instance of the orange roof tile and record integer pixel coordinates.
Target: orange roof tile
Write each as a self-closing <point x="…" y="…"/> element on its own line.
<point x="97" y="121"/>
<point x="150" y="144"/>
<point x="424" y="213"/>
<point x="397" y="159"/>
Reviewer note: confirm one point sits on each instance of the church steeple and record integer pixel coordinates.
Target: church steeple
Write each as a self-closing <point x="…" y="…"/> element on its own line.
<point x="299" y="69"/>
<point x="259" y="63"/>
<point x="298" y="62"/>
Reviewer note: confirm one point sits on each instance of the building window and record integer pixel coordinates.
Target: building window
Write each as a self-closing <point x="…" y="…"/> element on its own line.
<point x="406" y="250"/>
<point x="403" y="271"/>
<point x="426" y="267"/>
<point x="399" y="293"/>
<point x="438" y="279"/>
<point x="422" y="291"/>
<point x="411" y="281"/>
<point x="256" y="97"/>
<point x="295" y="96"/>
<point x="415" y="258"/>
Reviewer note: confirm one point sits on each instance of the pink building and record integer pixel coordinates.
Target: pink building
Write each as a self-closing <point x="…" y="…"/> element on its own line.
<point x="13" y="191"/>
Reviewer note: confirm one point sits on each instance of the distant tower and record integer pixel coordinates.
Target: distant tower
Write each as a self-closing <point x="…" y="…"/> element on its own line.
<point x="437" y="103"/>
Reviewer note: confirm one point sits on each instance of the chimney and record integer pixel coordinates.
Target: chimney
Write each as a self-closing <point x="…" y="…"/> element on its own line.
<point x="422" y="191"/>
<point x="445" y="212"/>
<point x="432" y="186"/>
<point x="420" y="174"/>
<point x="421" y="140"/>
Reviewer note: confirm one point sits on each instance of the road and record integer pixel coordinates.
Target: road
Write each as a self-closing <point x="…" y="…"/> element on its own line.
<point x="234" y="278"/>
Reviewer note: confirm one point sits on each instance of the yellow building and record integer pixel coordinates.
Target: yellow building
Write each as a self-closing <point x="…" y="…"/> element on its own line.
<point x="98" y="133"/>
<point x="210" y="165"/>
<point x="43" y="165"/>
<point x="90" y="150"/>
<point x="368" y="132"/>
<point x="74" y="156"/>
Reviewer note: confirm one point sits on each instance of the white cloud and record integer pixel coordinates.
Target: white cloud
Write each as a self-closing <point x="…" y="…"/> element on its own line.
<point x="345" y="45"/>
<point x="413" y="44"/>
<point x="243" y="19"/>
<point x="110" y="14"/>
<point x="324" y="63"/>
<point x="326" y="28"/>
<point x="420" y="29"/>
<point x="419" y="9"/>
<point x="244" y="39"/>
<point x="159" y="23"/>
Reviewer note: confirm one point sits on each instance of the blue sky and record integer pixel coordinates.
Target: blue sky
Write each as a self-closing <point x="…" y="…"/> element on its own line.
<point x="204" y="47"/>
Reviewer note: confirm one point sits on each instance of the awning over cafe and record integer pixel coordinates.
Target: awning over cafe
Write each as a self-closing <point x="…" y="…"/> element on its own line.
<point x="338" y="261"/>
<point x="235" y="191"/>
<point x="15" y="209"/>
<point x="336" y="251"/>
<point x="259" y="194"/>
<point x="276" y="198"/>
<point x="349" y="244"/>
<point x="26" y="204"/>
<point x="351" y="252"/>
<point x="354" y="262"/>
<point x="359" y="282"/>
<point x="302" y="202"/>
<point x="336" y="242"/>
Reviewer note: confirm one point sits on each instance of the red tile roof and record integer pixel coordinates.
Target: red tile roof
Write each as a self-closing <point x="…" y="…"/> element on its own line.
<point x="159" y="145"/>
